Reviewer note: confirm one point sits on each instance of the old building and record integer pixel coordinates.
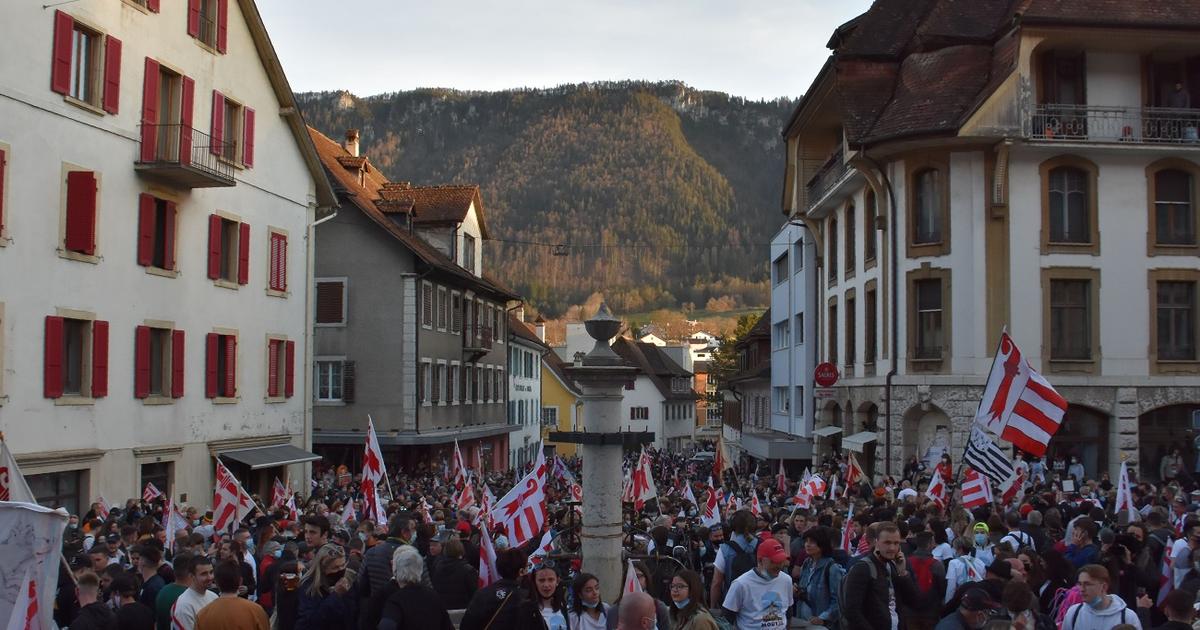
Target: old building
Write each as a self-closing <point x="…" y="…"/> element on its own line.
<point x="525" y="350"/>
<point x="660" y="398"/>
<point x="156" y="188"/>
<point x="1021" y="164"/>
<point x="562" y="405"/>
<point x="409" y="329"/>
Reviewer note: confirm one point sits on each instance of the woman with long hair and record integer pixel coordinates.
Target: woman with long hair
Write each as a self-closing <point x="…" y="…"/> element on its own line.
<point x="687" y="603"/>
<point x="820" y="580"/>
<point x="548" y="595"/>
<point x="587" y="612"/>
<point x="326" y="599"/>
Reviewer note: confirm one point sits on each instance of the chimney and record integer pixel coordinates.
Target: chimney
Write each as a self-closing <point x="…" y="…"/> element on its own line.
<point x="519" y="313"/>
<point x="352" y="142"/>
<point x="539" y="326"/>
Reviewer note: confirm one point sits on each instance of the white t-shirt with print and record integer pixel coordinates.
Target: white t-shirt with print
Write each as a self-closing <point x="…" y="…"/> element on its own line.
<point x="761" y="603"/>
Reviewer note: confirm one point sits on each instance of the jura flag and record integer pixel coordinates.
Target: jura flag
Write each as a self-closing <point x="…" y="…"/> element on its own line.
<point x="150" y="492"/>
<point x="25" y="609"/>
<point x="712" y="514"/>
<point x="230" y="502"/>
<point x="29" y="562"/>
<point x="102" y="508"/>
<point x="466" y="498"/>
<point x="487" y="559"/>
<point x="523" y="509"/>
<point x="374" y="472"/>
<point x="937" y="490"/>
<point x="781" y="479"/>
<point x="642" y="482"/>
<point x="460" y="467"/>
<point x="577" y="492"/>
<point x="846" y="531"/>
<point x="690" y="496"/>
<point x="278" y="493"/>
<point x="632" y="585"/>
<point x="975" y="490"/>
<point x="12" y="482"/>
<point x="1124" y="496"/>
<point x="854" y="472"/>
<point x="1019" y="405"/>
<point x="545" y="546"/>
<point x="755" y="507"/>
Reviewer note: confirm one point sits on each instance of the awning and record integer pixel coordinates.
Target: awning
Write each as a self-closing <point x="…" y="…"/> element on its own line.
<point x="857" y="441"/>
<point x="827" y="431"/>
<point x="270" y="456"/>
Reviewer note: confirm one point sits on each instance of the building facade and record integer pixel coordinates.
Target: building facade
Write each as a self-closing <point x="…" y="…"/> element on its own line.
<point x="156" y="187"/>
<point x="660" y="398"/>
<point x="525" y="352"/>
<point x="1023" y="175"/>
<point x="409" y="331"/>
<point x="562" y="404"/>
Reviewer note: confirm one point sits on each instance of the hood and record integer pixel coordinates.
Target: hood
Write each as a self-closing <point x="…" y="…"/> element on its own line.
<point x="1114" y="608"/>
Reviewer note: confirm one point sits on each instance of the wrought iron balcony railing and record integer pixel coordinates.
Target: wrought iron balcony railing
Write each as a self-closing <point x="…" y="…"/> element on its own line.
<point x="183" y="156"/>
<point x="829" y="174"/>
<point x="1101" y="124"/>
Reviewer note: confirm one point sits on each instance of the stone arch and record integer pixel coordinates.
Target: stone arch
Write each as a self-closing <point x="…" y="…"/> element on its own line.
<point x="1161" y="429"/>
<point x="927" y="434"/>
<point x="1084" y="433"/>
<point x="831" y="415"/>
<point x="868" y="420"/>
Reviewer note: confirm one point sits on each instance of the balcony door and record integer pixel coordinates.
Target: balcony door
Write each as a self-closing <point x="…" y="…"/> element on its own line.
<point x="168" y="114"/>
<point x="1164" y="75"/>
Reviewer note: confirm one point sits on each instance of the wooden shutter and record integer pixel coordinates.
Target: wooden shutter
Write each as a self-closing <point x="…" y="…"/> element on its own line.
<point x="177" y="364"/>
<point x="347" y="381"/>
<point x="210" y="364"/>
<point x="169" y="236"/>
<point x="243" y="253"/>
<point x="214" y="246"/>
<point x="152" y="5"/>
<point x="272" y="368"/>
<point x="3" y="166"/>
<point x="273" y="262"/>
<point x="187" y="102"/>
<point x="248" y="136"/>
<point x="289" y="369"/>
<point x="99" y="359"/>
<point x="52" y="374"/>
<point x="60" y="67"/>
<point x="145" y="240"/>
<point x="112" y="74"/>
<point x="150" y="112"/>
<point x="193" y="23"/>
<point x="218" y="123"/>
<point x="330" y="296"/>
<point x="141" y="362"/>
<point x="222" y="25"/>
<point x="81" y="212"/>
<point x="230" y="366"/>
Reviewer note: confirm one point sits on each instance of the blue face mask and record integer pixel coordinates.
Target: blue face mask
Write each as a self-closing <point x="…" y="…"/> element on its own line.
<point x="980" y="540"/>
<point x="1095" y="603"/>
<point x="592" y="605"/>
<point x="682" y="603"/>
<point x="278" y="552"/>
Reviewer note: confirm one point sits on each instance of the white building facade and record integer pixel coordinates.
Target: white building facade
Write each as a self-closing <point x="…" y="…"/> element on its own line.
<point x="524" y="393"/>
<point x="157" y="193"/>
<point x="793" y="322"/>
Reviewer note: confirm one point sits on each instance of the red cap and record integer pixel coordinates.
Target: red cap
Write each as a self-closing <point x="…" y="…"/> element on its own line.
<point x="1026" y="509"/>
<point x="772" y="549"/>
<point x="464" y="527"/>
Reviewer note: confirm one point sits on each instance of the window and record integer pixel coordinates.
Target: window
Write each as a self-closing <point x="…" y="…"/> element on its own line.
<point x="208" y="22"/>
<point x="550" y="416"/>
<point x="477" y="384"/>
<point x="870" y="211"/>
<point x="779" y="269"/>
<point x="228" y="250"/>
<point x="781" y="400"/>
<point x="442" y="308"/>
<point x="799" y="403"/>
<point x="1063" y="81"/>
<point x="831" y="257"/>
<point x="76" y="357"/>
<point x="455" y="312"/>
<point x="929" y="322"/>
<point x="851" y="333"/>
<point x="1070" y="323"/>
<point x="780" y="333"/>
<point x="1069" y="219"/>
<point x="158" y="362"/>
<point x="798" y="254"/>
<point x="487" y="384"/>
<point x="498" y="385"/>
<point x="872" y="334"/>
<point x="220" y="379"/>
<point x="453" y="391"/>
<point x="928" y="310"/>
<point x="424" y="380"/>
<point x="158" y="473"/>
<point x="79" y="230"/>
<point x="156" y="232"/>
<point x="168" y="99"/>
<point x="1173" y="208"/>
<point x="927" y="228"/>
<point x="232" y="130"/>
<point x="435" y="389"/>
<point x="331" y="301"/>
<point x="468" y="252"/>
<point x="640" y="413"/>
<point x="427" y="309"/>
<point x="281" y="360"/>
<point x="798" y="329"/>
<point x="328" y="380"/>
<point x="277" y="246"/>
<point x="464" y="384"/>
<point x="1175" y="319"/>
<point x="57" y="490"/>
<point x="86" y="66"/>
<point x="851" y="235"/>
<point x="832" y="351"/>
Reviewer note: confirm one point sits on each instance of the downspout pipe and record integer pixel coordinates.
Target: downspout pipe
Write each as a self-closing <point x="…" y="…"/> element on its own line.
<point x="892" y="229"/>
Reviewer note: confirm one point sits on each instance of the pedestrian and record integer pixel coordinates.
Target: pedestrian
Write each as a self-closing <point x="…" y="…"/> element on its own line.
<point x="662" y="612"/>
<point x="878" y="584"/>
<point x="972" y="613"/>
<point x="638" y="614"/>
<point x="819" y="581"/>
<point x="548" y="596"/>
<point x="131" y="613"/>
<point x="412" y="604"/>
<point x="762" y="596"/>
<point x="1099" y="610"/>
<point x="231" y="611"/>
<point x="500" y="605"/>
<point x="326" y="601"/>
<point x="93" y="613"/>
<point x="687" y="608"/>
<point x="1179" y="609"/>
<point x="453" y="578"/>
<point x="191" y="601"/>
<point x="588" y="612"/>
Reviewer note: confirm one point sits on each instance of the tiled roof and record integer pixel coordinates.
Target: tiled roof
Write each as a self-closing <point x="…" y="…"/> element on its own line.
<point x="1127" y="13"/>
<point x="446" y="204"/>
<point x="365" y="196"/>
<point x="522" y="331"/>
<point x="920" y="103"/>
<point x="655" y="364"/>
<point x="556" y="364"/>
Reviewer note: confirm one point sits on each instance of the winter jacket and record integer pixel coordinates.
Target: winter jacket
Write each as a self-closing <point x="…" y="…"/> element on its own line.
<point x="1080" y="556"/>
<point x="95" y="616"/>
<point x="700" y="620"/>
<point x="1084" y="617"/>
<point x="327" y="611"/>
<point x="502" y="604"/>
<point x="455" y="582"/>
<point x="415" y="606"/>
<point x="866" y="585"/>
<point x="820" y="580"/>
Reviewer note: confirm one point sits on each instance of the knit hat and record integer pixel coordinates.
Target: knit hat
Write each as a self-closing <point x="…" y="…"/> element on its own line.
<point x="1025" y="510"/>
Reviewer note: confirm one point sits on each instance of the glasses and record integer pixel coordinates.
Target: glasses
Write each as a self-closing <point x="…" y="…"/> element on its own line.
<point x="679" y="587"/>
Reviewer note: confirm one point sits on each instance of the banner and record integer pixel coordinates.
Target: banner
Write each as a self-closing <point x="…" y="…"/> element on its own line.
<point x="29" y="561"/>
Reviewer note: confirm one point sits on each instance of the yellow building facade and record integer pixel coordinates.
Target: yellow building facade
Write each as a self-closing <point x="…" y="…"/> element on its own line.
<point x="562" y="409"/>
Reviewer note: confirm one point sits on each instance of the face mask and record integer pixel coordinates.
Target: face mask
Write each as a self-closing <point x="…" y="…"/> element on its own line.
<point x="980" y="539"/>
<point x="196" y="523"/>
<point x="591" y="605"/>
<point x="1095" y="603"/>
<point x="362" y="536"/>
<point x="332" y="578"/>
<point x="681" y="604"/>
<point x="278" y="553"/>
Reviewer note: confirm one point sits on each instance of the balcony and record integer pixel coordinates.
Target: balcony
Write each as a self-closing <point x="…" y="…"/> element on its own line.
<point x="182" y="156"/>
<point x="832" y="171"/>
<point x="477" y="342"/>
<point x="1095" y="124"/>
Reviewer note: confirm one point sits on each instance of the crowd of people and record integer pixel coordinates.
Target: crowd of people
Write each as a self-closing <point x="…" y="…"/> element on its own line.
<point x="868" y="556"/>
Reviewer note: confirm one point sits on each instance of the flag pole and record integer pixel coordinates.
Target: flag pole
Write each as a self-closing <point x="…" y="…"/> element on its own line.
<point x="391" y="495"/>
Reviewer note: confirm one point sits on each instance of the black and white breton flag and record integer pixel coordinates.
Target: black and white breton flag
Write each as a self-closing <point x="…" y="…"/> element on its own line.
<point x="986" y="456"/>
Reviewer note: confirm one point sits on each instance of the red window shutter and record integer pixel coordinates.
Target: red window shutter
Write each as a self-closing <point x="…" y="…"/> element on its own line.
<point x="176" y="364"/>
<point x="187" y="99"/>
<point x="230" y="366"/>
<point x="283" y="247"/>
<point x="145" y="241"/>
<point x="273" y="368"/>
<point x="152" y="5"/>
<point x="210" y="364"/>
<point x="243" y="253"/>
<point x="214" y="246"/>
<point x="248" y="137"/>
<point x="169" y="236"/>
<point x="278" y="262"/>
<point x="150" y="112"/>
<point x="81" y="212"/>
<point x="141" y="362"/>
<point x="3" y="165"/>
<point x="60" y="67"/>
<point x="53" y="365"/>
<point x="99" y="359"/>
<point x="222" y="25"/>
<point x="289" y="370"/>
<point x="218" y="122"/>
<point x="194" y="18"/>
<point x="112" y="74"/>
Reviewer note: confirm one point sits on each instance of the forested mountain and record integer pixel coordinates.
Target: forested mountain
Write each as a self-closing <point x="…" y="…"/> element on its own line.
<point x="657" y="194"/>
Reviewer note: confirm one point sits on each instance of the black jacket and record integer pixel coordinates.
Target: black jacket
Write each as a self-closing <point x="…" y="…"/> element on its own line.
<point x="415" y="606"/>
<point x="455" y="581"/>
<point x="503" y="604"/>
<point x="866" y="585"/>
<point x="95" y="616"/>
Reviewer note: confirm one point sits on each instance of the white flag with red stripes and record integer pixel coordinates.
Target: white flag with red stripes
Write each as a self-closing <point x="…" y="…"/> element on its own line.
<point x="231" y="502"/>
<point x="12" y="483"/>
<point x="755" y="506"/>
<point x="523" y="509"/>
<point x="1018" y="404"/>
<point x="937" y="490"/>
<point x="459" y="467"/>
<point x="976" y="490"/>
<point x="781" y="479"/>
<point x="487" y="559"/>
<point x="374" y="473"/>
<point x="854" y="472"/>
<point x="102" y="508"/>
<point x="632" y="584"/>
<point x="466" y="498"/>
<point x="846" y="531"/>
<point x="150" y="492"/>
<point x="279" y="493"/>
<point x="642" y="482"/>
<point x="712" y="514"/>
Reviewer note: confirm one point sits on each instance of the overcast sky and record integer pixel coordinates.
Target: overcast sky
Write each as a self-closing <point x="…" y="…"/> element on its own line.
<point x="751" y="48"/>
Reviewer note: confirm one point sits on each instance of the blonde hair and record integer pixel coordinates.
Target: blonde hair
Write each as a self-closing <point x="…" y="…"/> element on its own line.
<point x="316" y="570"/>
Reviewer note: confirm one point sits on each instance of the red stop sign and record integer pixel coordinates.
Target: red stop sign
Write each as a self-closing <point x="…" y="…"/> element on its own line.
<point x="826" y="374"/>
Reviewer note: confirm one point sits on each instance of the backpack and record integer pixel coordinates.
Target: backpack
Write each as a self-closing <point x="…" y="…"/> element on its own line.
<point x="1075" y="617"/>
<point x="843" y="622"/>
<point x="741" y="562"/>
<point x="1062" y="602"/>
<point x="922" y="570"/>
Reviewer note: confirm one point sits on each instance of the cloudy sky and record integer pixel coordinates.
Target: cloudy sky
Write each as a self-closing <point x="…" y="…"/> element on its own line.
<point x="751" y="48"/>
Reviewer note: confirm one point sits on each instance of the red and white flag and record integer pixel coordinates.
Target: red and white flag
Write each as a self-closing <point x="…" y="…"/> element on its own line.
<point x="231" y="503"/>
<point x="720" y="460"/>
<point x="632" y="584"/>
<point x="845" y="546"/>
<point x="712" y="514"/>
<point x="150" y="492"/>
<point x="293" y="513"/>
<point x="545" y="546"/>
<point x="374" y="473"/>
<point x="816" y="486"/>
<point x="1013" y="489"/>
<point x="1124" y="495"/>
<point x="975" y="490"/>
<point x="466" y="498"/>
<point x="577" y="492"/>
<point x="279" y="494"/>
<point x="487" y="559"/>
<point x="690" y="496"/>
<point x="642" y="482"/>
<point x="25" y="609"/>
<point x="173" y="522"/>
<point x="937" y="490"/>
<point x="781" y="479"/>
<point x="755" y="506"/>
<point x="12" y="483"/>
<point x="854" y="472"/>
<point x="1018" y="404"/>
<point x="423" y="508"/>
<point x="347" y="512"/>
<point x="523" y="509"/>
<point x="102" y="508"/>
<point x="459" y="467"/>
<point x="803" y="499"/>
